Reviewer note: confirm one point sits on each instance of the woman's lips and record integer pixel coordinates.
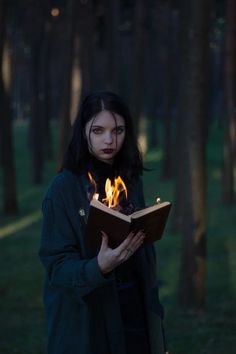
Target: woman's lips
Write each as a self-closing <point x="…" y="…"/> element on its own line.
<point x="108" y="151"/>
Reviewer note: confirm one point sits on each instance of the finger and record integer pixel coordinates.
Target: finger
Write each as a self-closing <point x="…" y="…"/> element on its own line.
<point x="137" y="244"/>
<point x="104" y="244"/>
<point x="134" y="248"/>
<point x="125" y="243"/>
<point x="136" y="239"/>
<point x="134" y="245"/>
<point x="129" y="244"/>
<point x="133" y="232"/>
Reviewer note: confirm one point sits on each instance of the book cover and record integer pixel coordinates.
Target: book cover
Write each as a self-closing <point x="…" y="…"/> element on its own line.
<point x="117" y="225"/>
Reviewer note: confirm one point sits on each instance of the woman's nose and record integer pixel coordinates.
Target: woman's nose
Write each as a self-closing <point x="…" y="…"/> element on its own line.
<point x="108" y="138"/>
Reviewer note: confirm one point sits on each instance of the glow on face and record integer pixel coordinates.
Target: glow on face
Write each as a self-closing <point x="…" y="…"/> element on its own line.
<point x="105" y="135"/>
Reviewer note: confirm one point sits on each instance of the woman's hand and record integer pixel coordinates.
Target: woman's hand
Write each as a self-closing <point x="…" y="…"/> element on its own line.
<point x="109" y="259"/>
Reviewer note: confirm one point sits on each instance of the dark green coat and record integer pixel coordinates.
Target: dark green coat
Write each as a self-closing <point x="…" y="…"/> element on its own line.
<point x="82" y="306"/>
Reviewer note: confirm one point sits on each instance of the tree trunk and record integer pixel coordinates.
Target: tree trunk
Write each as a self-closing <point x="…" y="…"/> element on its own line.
<point x="195" y="60"/>
<point x="139" y="50"/>
<point x="179" y="138"/>
<point x="38" y="128"/>
<point x="64" y="115"/>
<point x="10" y="205"/>
<point x="47" y="102"/>
<point x="230" y="126"/>
<point x="167" y="60"/>
<point x="152" y="74"/>
<point x="85" y="44"/>
<point x="112" y="17"/>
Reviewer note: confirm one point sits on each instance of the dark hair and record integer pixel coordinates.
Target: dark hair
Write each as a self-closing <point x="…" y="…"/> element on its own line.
<point x="128" y="161"/>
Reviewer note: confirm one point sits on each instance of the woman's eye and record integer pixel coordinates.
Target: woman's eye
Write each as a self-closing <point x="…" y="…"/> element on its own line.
<point x="119" y="130"/>
<point x="97" y="130"/>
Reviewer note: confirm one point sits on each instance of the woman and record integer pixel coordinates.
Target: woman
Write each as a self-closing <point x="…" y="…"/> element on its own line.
<point x="98" y="301"/>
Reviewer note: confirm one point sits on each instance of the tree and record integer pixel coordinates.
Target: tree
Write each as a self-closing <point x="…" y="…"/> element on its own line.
<point x="85" y="44"/>
<point x="112" y="17"/>
<point x="152" y="74"/>
<point x="230" y="122"/>
<point x="167" y="65"/>
<point x="10" y="205"/>
<point x="195" y="31"/>
<point x="64" y="113"/>
<point x="36" y="14"/>
<point x="138" y="59"/>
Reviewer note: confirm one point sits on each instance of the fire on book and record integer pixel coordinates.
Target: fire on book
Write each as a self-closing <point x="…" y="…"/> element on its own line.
<point x="112" y="191"/>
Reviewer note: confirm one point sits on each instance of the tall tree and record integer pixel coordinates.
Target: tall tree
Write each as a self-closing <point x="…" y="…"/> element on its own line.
<point x="179" y="138"/>
<point x="85" y="43"/>
<point x="230" y="121"/>
<point x="195" y="15"/>
<point x="140" y="25"/>
<point x="68" y="52"/>
<point x="112" y="17"/>
<point x="167" y="65"/>
<point x="152" y="74"/>
<point x="6" y="139"/>
<point x="36" y="14"/>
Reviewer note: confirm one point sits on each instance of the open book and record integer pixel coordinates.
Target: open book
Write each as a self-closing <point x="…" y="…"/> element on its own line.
<point x="117" y="225"/>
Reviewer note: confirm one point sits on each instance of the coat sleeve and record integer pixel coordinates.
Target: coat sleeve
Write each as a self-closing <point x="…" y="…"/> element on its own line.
<point x="60" y="251"/>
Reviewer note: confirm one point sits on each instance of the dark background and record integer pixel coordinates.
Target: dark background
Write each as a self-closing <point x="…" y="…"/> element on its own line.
<point x="173" y="62"/>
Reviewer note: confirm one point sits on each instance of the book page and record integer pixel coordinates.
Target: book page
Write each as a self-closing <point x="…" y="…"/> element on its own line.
<point x="148" y="210"/>
<point x="97" y="204"/>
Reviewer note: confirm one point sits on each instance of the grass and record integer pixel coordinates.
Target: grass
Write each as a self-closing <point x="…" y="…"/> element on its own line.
<point x="22" y="323"/>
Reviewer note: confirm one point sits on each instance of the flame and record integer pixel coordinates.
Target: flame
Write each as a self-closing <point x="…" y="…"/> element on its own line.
<point x="112" y="191"/>
<point x="95" y="195"/>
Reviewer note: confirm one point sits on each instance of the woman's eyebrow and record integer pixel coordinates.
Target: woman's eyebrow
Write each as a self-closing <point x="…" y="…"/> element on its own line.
<point x="101" y="126"/>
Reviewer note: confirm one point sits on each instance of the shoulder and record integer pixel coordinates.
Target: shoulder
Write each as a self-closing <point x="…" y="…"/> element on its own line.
<point x="62" y="183"/>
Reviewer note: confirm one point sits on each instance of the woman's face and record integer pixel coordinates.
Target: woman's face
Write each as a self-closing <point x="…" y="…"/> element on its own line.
<point x="105" y="135"/>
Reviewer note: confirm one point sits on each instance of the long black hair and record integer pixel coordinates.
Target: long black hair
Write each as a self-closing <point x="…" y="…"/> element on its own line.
<point x="128" y="161"/>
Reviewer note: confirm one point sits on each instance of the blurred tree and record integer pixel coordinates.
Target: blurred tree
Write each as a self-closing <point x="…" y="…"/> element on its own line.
<point x="36" y="16"/>
<point x="179" y="138"/>
<point x="193" y="100"/>
<point x="230" y="121"/>
<point x="70" y="12"/>
<point x="6" y="140"/>
<point x="45" y="86"/>
<point x="152" y="75"/>
<point x="112" y="17"/>
<point x="166" y="54"/>
<point x="140" y="32"/>
<point x="217" y="49"/>
<point x="85" y="39"/>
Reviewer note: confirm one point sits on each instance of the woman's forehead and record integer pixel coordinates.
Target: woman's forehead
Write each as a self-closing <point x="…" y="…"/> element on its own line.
<point x="106" y="118"/>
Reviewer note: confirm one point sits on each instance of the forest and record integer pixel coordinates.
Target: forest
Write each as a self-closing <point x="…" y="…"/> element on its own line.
<point x="174" y="63"/>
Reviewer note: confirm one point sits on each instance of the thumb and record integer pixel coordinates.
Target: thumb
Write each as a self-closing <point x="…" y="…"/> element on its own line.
<point x="104" y="243"/>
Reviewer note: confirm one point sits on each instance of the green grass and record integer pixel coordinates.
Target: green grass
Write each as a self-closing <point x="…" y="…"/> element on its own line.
<point x="22" y="323"/>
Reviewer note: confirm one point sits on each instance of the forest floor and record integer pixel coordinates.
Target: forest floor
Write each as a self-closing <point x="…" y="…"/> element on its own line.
<point x="22" y="323"/>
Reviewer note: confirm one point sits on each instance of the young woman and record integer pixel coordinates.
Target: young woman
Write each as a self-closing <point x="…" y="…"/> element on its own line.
<point x="98" y="301"/>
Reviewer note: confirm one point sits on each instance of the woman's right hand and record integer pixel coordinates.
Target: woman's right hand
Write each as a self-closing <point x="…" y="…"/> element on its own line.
<point x="109" y="259"/>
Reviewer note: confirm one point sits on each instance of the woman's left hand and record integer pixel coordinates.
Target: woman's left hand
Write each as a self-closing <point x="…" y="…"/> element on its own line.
<point x="109" y="259"/>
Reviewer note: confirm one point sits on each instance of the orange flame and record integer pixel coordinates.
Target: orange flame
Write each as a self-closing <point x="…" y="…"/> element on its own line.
<point x="95" y="195"/>
<point x="112" y="190"/>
